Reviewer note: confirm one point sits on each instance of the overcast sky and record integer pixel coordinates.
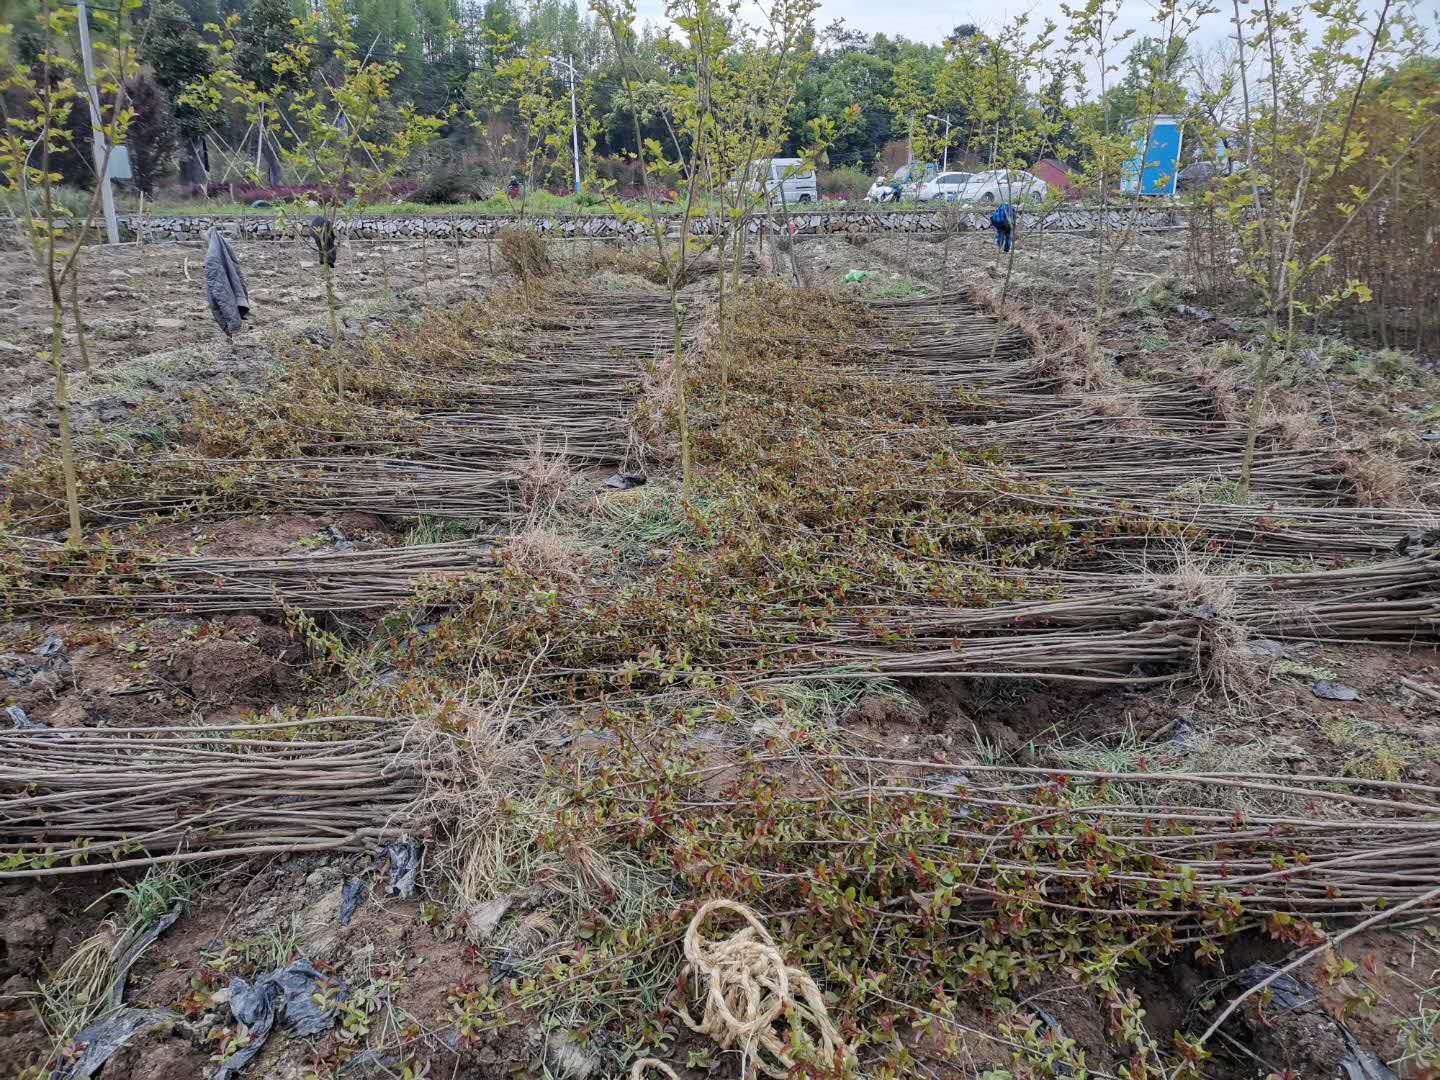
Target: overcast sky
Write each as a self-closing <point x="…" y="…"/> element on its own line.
<point x="931" y="21"/>
<point x="926" y="20"/>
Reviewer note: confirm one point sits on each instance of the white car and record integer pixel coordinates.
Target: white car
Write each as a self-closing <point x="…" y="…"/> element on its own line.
<point x="1002" y="186"/>
<point x="943" y="188"/>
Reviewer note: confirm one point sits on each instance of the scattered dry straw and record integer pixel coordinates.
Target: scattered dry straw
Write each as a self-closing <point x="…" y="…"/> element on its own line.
<point x="1376" y="478"/>
<point x="524" y="254"/>
<point x="546" y="482"/>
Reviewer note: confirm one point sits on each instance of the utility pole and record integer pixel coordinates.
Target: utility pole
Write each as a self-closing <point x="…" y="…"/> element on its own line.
<point x="97" y="133"/>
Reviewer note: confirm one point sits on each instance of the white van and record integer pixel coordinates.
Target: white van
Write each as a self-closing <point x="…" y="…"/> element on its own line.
<point x="793" y="176"/>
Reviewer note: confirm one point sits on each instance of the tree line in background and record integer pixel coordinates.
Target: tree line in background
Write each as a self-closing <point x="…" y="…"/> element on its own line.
<point x="456" y="60"/>
<point x="476" y="64"/>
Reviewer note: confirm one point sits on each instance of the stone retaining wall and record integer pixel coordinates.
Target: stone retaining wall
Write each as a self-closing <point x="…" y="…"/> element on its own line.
<point x="603" y="227"/>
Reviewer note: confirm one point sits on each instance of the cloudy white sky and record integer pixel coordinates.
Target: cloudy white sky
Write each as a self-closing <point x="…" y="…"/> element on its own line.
<point x="929" y="20"/>
<point x="926" y="20"/>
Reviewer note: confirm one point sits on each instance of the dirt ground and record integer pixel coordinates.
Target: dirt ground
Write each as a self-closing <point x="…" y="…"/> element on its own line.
<point x="151" y="339"/>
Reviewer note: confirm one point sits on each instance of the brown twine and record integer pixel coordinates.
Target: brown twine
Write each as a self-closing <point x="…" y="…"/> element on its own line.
<point x="749" y="987"/>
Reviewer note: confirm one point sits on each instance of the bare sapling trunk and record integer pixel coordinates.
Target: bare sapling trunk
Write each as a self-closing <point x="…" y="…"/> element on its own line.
<point x="332" y="306"/>
<point x="677" y="279"/>
<point x="1004" y="294"/>
<point x="62" y="412"/>
<point x="720" y="251"/>
<point x="79" y="321"/>
<point x="742" y="241"/>
<point x="790" y="236"/>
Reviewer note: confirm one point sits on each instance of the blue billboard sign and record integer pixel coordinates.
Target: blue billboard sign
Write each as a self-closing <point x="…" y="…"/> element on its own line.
<point x="1154" y="168"/>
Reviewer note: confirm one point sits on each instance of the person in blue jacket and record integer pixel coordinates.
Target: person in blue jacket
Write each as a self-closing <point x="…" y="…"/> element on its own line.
<point x="1003" y="221"/>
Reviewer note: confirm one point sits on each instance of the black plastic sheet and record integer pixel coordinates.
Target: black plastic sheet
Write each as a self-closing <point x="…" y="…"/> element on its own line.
<point x="286" y="995"/>
<point x="404" y="856"/>
<point x="104" y="1039"/>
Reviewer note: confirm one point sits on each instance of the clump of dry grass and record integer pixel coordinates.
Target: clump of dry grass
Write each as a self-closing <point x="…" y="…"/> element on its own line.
<point x="1124" y="410"/>
<point x="547" y="482"/>
<point x="1375" y="478"/>
<point x="644" y="264"/>
<point x="491" y="809"/>
<point x="1116" y="405"/>
<point x="1219" y="384"/>
<point x="1222" y="662"/>
<point x="1290" y="427"/>
<point x="525" y="254"/>
<point x="545" y="553"/>
<point x="652" y="421"/>
<point x="471" y="764"/>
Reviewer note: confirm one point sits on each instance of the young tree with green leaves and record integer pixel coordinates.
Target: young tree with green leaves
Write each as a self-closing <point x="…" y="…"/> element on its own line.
<point x="331" y="111"/>
<point x="912" y="101"/>
<point x="1303" y="72"/>
<point x="524" y="86"/>
<point x="993" y="73"/>
<point x="31" y="136"/>
<point x="1110" y="148"/>
<point x="753" y="96"/>
<point x="727" y="113"/>
<point x="1092" y="40"/>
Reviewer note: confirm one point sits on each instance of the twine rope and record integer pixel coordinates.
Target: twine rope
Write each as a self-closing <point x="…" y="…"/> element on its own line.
<point x="749" y="989"/>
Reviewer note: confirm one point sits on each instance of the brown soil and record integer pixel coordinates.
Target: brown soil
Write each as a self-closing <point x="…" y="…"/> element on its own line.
<point x="264" y="535"/>
<point x="151" y="338"/>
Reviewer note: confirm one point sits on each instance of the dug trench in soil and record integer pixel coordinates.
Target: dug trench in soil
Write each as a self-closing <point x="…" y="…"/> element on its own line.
<point x="658" y="705"/>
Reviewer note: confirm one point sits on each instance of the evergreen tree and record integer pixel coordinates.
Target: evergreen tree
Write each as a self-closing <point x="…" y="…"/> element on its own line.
<point x="266" y="30"/>
<point x="151" y="138"/>
<point x="175" y="54"/>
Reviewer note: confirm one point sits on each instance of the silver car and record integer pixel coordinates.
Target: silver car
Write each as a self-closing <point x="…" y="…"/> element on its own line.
<point x="945" y="188"/>
<point x="1003" y="185"/>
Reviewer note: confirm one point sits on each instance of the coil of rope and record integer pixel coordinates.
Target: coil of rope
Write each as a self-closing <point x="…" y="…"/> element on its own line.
<point x="754" y="1002"/>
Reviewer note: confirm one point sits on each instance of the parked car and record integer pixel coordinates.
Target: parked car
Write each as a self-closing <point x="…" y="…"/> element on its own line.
<point x="943" y="188"/>
<point x="790" y="176"/>
<point x="1004" y="185"/>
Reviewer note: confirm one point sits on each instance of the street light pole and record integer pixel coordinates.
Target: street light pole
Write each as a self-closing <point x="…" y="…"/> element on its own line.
<point x="97" y="132"/>
<point x="945" y="149"/>
<point x="574" y="118"/>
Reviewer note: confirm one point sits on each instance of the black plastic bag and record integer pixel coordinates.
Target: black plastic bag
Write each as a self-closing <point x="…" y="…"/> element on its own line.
<point x="288" y="995"/>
